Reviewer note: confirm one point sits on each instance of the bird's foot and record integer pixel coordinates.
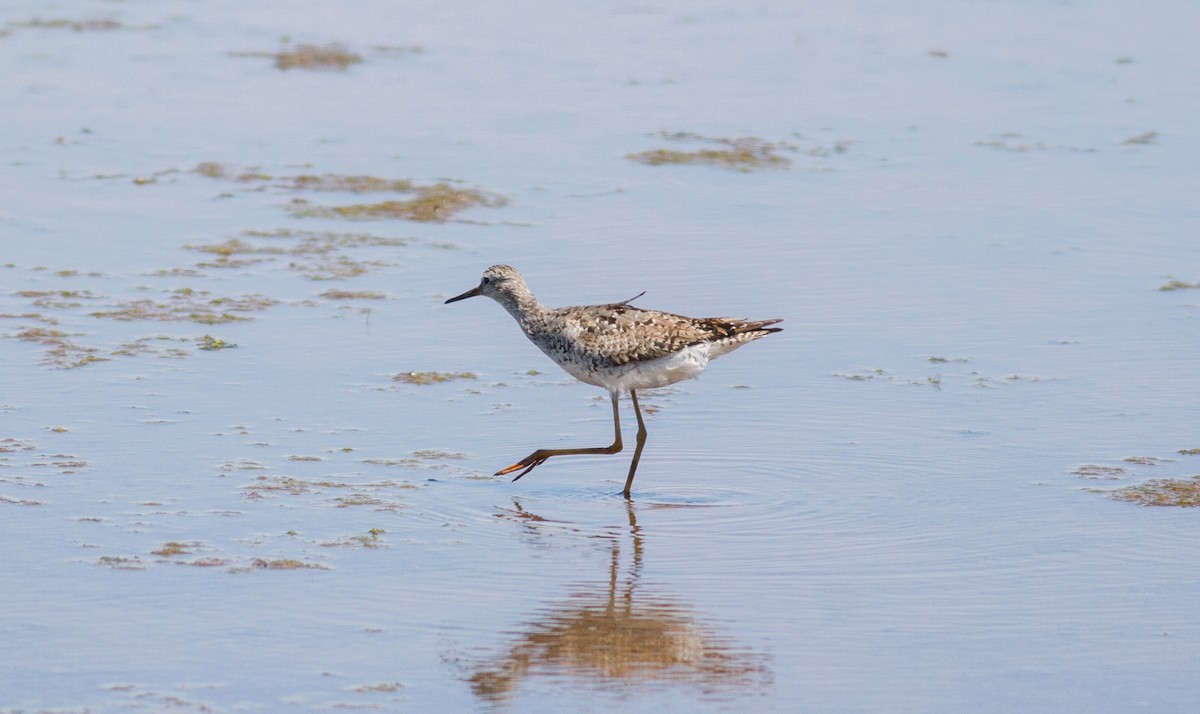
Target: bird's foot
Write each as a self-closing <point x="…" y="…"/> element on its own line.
<point x="528" y="463"/>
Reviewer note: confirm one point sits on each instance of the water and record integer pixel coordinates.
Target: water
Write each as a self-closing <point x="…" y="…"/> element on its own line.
<point x="874" y="509"/>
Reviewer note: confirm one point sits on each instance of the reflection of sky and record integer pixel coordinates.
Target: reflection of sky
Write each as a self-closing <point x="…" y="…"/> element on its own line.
<point x="892" y="545"/>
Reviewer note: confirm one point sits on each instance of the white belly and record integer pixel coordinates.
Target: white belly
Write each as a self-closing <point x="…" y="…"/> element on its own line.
<point x="685" y="364"/>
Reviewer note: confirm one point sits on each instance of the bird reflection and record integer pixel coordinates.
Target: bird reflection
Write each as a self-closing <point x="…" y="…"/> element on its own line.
<point x="616" y="633"/>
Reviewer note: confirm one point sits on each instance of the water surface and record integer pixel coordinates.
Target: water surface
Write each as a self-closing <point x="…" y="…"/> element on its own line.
<point x="877" y="508"/>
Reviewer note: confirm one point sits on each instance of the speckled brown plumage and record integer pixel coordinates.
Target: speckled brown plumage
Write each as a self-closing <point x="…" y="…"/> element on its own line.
<point x="595" y="342"/>
<point x="617" y="346"/>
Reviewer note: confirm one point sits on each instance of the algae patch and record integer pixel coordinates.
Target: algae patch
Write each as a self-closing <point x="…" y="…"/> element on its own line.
<point x="436" y="203"/>
<point x="432" y="377"/>
<point x="90" y="25"/>
<point x="743" y="154"/>
<point x="332" y="56"/>
<point x="1162" y="492"/>
<point x="1097" y="472"/>
<point x="173" y="548"/>
<point x="429" y="203"/>
<point x="353" y="295"/>
<point x="188" y="305"/>
<point x="212" y="344"/>
<point x="1148" y="138"/>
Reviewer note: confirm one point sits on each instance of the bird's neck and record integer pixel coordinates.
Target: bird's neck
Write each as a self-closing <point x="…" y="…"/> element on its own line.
<point x="525" y="309"/>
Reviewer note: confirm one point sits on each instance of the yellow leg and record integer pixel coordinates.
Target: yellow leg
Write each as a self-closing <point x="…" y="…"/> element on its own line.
<point x="641" y="442"/>
<point x="540" y="456"/>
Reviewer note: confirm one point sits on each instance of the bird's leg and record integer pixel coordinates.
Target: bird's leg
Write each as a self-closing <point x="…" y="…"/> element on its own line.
<point x="539" y="457"/>
<point x="641" y="442"/>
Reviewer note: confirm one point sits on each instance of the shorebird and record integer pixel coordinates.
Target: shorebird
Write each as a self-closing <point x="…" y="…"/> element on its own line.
<point x="616" y="346"/>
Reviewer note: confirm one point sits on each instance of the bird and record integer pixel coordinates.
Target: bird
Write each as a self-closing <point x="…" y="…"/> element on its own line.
<point x="617" y="347"/>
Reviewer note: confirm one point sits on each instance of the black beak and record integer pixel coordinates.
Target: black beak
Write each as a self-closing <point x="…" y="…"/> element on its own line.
<point x="470" y="293"/>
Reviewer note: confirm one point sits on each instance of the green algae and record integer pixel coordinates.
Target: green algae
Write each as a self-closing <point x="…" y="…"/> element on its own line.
<point x="212" y="344"/>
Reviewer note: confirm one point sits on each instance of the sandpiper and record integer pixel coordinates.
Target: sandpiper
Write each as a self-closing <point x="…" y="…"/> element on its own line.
<point x="616" y="346"/>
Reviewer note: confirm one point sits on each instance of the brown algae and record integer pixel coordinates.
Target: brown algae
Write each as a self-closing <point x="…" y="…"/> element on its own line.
<point x="285" y="564"/>
<point x="171" y="548"/>
<point x="1096" y="472"/>
<point x="432" y="377"/>
<point x="1150" y="137"/>
<point x="62" y="352"/>
<point x="349" y="184"/>
<point x="60" y="23"/>
<point x="353" y="295"/>
<point x="332" y="56"/>
<point x="1162" y="492"/>
<point x="1147" y="460"/>
<point x="436" y="203"/>
<point x="314" y="256"/>
<point x="743" y="154"/>
<point x="189" y="305"/>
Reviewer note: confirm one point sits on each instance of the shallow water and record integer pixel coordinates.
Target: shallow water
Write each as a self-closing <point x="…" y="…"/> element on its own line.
<point x="874" y="509"/>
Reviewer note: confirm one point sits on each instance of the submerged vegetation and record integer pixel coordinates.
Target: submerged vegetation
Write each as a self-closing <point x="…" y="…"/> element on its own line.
<point x="353" y="295"/>
<point x="1016" y="143"/>
<point x="64" y="351"/>
<point x="1162" y="492"/>
<point x="743" y="154"/>
<point x="1171" y="491"/>
<point x="212" y="344"/>
<point x="432" y="377"/>
<point x="1150" y="137"/>
<point x="62" y="23"/>
<point x="1097" y="472"/>
<point x="317" y="255"/>
<point x="314" y="254"/>
<point x="436" y="203"/>
<point x="331" y="56"/>
<point x="1179" y="285"/>
<point x="187" y="304"/>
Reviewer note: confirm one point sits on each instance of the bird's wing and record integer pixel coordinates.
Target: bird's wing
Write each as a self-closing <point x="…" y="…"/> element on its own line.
<point x="620" y="333"/>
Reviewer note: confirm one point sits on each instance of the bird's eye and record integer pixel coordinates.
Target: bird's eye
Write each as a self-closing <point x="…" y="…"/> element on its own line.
<point x="486" y="280"/>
